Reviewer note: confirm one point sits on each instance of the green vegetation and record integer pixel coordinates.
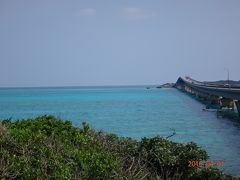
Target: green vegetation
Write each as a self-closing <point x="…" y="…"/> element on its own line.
<point x="49" y="148"/>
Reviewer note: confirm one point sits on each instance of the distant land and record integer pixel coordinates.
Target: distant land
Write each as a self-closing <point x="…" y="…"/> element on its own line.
<point x="225" y="82"/>
<point x="166" y="85"/>
<point x="220" y="82"/>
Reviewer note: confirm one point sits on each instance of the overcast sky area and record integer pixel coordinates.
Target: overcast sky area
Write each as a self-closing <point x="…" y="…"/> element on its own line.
<point x="117" y="42"/>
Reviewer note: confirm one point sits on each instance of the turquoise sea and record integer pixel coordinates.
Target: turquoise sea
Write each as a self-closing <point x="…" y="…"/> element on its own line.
<point x="133" y="112"/>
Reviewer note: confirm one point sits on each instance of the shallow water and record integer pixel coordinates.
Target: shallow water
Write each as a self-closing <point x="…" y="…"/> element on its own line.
<point x="134" y="112"/>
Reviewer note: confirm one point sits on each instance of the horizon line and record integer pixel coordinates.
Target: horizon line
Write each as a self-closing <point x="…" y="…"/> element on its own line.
<point x="76" y="86"/>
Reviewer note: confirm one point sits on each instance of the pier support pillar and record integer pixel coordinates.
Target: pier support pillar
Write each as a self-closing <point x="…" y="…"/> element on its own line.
<point x="204" y="96"/>
<point x="237" y="103"/>
<point x="213" y="99"/>
<point x="228" y="103"/>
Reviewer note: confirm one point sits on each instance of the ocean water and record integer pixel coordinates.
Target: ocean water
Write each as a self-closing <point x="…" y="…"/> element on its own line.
<point x="134" y="112"/>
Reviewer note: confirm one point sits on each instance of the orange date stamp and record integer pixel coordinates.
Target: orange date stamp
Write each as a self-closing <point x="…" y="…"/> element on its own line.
<point x="208" y="163"/>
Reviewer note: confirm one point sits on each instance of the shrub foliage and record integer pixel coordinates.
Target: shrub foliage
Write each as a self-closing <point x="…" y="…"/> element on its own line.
<point x="49" y="148"/>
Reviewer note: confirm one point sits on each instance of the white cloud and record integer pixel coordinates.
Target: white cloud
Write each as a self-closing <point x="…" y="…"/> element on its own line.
<point x="87" y="12"/>
<point x="134" y="13"/>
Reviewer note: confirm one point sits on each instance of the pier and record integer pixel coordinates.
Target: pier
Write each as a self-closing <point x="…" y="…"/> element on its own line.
<point x="225" y="95"/>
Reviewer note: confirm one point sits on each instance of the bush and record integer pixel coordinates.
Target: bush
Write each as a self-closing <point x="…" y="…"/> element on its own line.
<point x="49" y="148"/>
<point x="168" y="159"/>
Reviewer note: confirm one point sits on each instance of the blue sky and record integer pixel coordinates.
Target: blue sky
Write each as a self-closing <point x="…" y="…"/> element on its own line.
<point x="120" y="42"/>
